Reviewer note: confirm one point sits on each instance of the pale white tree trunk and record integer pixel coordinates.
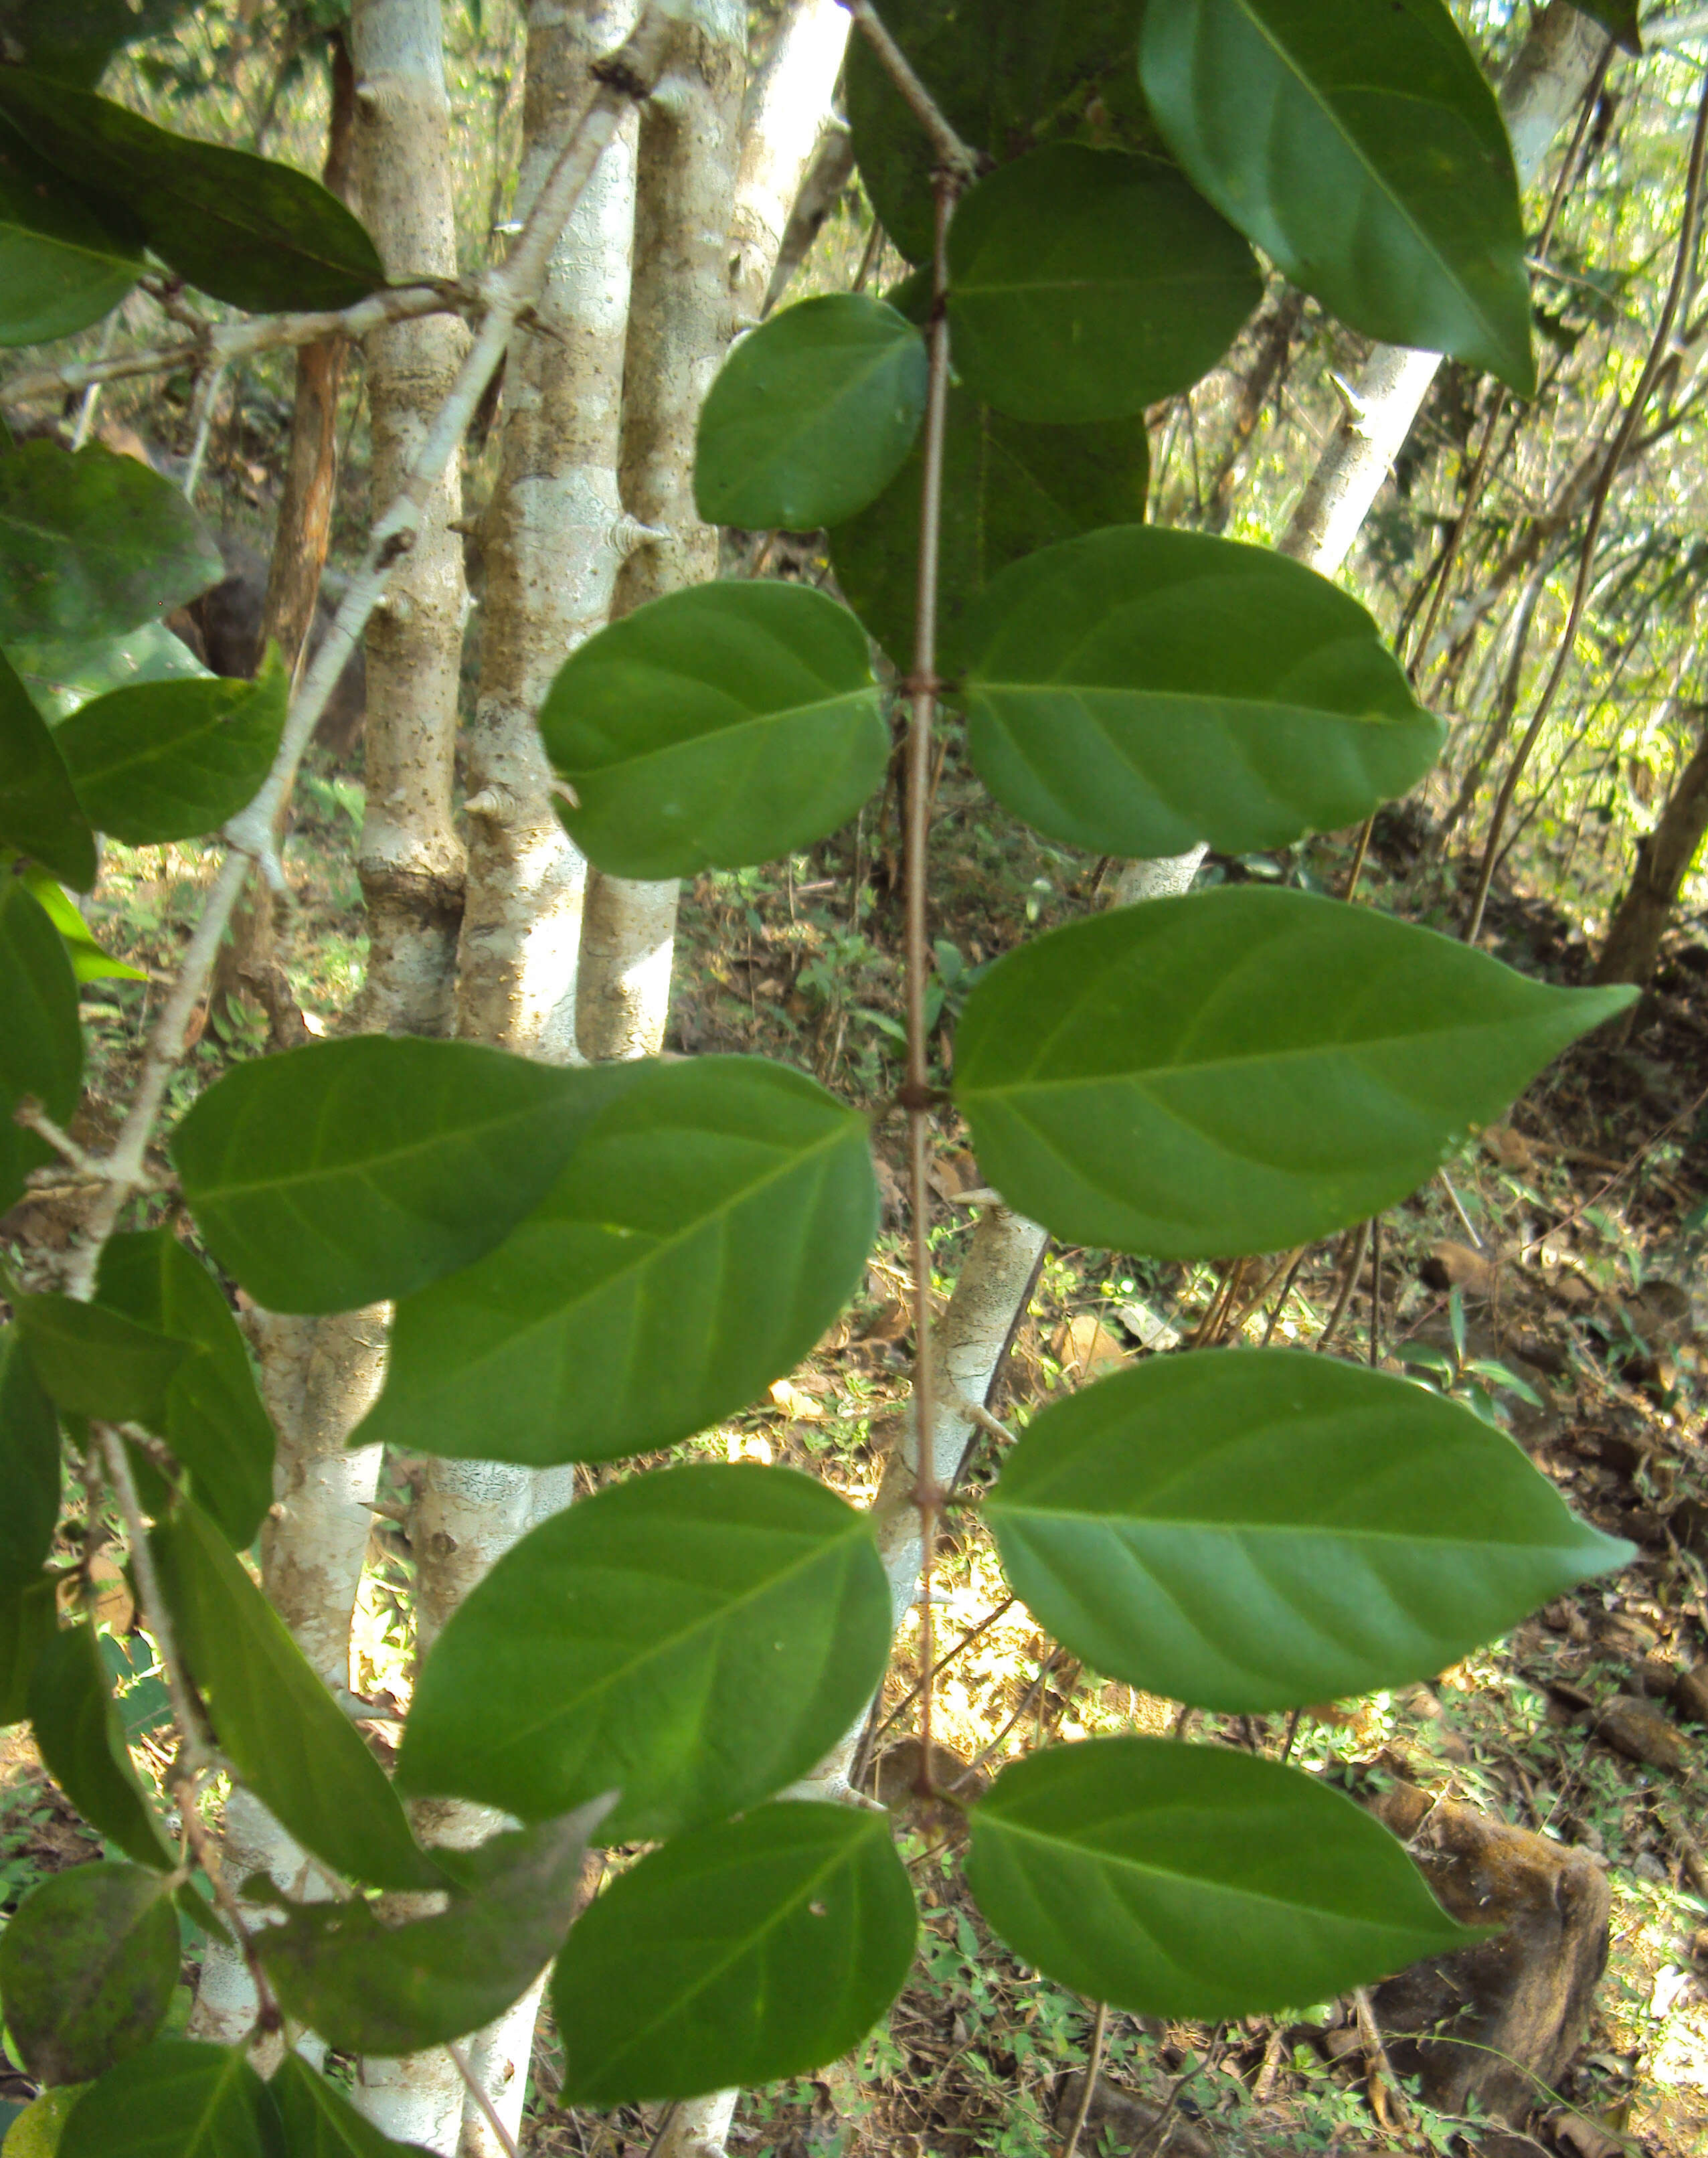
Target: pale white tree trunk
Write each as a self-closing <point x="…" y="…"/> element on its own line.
<point x="1542" y="90"/>
<point x="787" y="110"/>
<point x="679" y="329"/>
<point x="553" y="540"/>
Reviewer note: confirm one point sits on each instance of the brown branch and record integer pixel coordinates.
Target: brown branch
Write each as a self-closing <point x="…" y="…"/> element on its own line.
<point x="1094" y="2062"/>
<point x="214" y="345"/>
<point x="953" y="153"/>
<point x="928" y="1494"/>
<point x="1682" y="266"/>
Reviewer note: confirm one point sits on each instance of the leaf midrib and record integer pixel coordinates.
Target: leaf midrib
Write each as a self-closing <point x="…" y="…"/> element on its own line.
<point x="1426" y="241"/>
<point x="1007" y="1824"/>
<point x="846" y="1536"/>
<point x="748" y="722"/>
<point x="1115" y="1525"/>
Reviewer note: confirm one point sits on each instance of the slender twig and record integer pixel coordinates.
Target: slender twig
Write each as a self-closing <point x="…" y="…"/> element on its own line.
<point x="195" y="1758"/>
<point x="913" y="1694"/>
<point x="627" y="77"/>
<point x="1653" y="1140"/>
<point x="1682" y="268"/>
<point x="917" y="1095"/>
<point x="1349" y="1283"/>
<point x="33" y="1117"/>
<point x="1275" y="1316"/>
<point x="472" y="2084"/>
<point x="1094" y="2062"/>
<point x="1375" y="1291"/>
<point x="213" y="345"/>
<point x="1360" y="855"/>
<point x="201" y="404"/>
<point x="958" y="160"/>
<point x="116" y="1463"/>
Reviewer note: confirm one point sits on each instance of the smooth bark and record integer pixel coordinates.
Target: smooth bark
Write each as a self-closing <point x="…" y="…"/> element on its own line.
<point x="553" y="541"/>
<point x="785" y="113"/>
<point x="1631" y="948"/>
<point x="678" y="330"/>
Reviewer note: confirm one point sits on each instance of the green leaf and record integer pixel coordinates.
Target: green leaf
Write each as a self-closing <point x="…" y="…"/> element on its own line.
<point x="214" y="1421"/>
<point x="88" y="1962"/>
<point x="92" y="544"/>
<point x="1008" y="74"/>
<point x="176" y="2099"/>
<point x="1008" y="489"/>
<point x="29" y="1468"/>
<point x="173" y="760"/>
<point x="40" y="814"/>
<point x="82" y="1741"/>
<point x="73" y="40"/>
<point x="721" y="725"/>
<point x="367" y="1988"/>
<point x="62" y="676"/>
<point x="1258" y="1532"/>
<point x="1084" y="284"/>
<point x="810" y="415"/>
<point x="1362" y="150"/>
<point x="1618" y="17"/>
<point x="698" y="1638"/>
<point x="319" y="2120"/>
<point x="1190" y="1881"/>
<point x="27" y="1625"/>
<point x="1241" y="1070"/>
<point x="258" y="236"/>
<point x="41" y="1042"/>
<point x="34" y="2132"/>
<point x="61" y="266"/>
<point x="709" y="1226"/>
<point x="88" y="961"/>
<point x="1136" y="691"/>
<point x="98" y="1363"/>
<point x="758" y="1949"/>
<point x="286" y="1736"/>
<point x="346" y="1171"/>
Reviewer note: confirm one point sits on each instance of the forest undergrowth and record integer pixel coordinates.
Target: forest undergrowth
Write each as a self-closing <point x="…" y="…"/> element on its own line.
<point x="1553" y="1276"/>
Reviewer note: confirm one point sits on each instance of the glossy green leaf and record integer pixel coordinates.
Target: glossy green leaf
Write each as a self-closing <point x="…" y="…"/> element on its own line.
<point x="73" y="40"/>
<point x="1260" y="1531"/>
<point x="1084" y="284"/>
<point x="214" y="1421"/>
<point x="709" y="1226"/>
<point x="93" y="544"/>
<point x="98" y="1363"/>
<point x="368" y="1988"/>
<point x="30" y="1467"/>
<point x="176" y="2099"/>
<point x="758" y="1949"/>
<point x="173" y="760"/>
<point x="1008" y="489"/>
<point x="1191" y="1881"/>
<point x="810" y="415"/>
<point x="1618" y="17"/>
<point x="346" y="1171"/>
<point x="258" y="235"/>
<point x="41" y="1041"/>
<point x="319" y="2120"/>
<point x="1136" y="691"/>
<point x="88" y="1962"/>
<point x="40" y="815"/>
<point x="1008" y="73"/>
<point x="61" y="675"/>
<point x="61" y="266"/>
<point x="696" y="1638"/>
<point x="1241" y="1070"/>
<point x="34" y="2132"/>
<point x="27" y="1625"/>
<point x="286" y="1736"/>
<point x="82" y="1741"/>
<point x="721" y="725"/>
<point x="88" y="961"/>
<point x="1362" y="150"/>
